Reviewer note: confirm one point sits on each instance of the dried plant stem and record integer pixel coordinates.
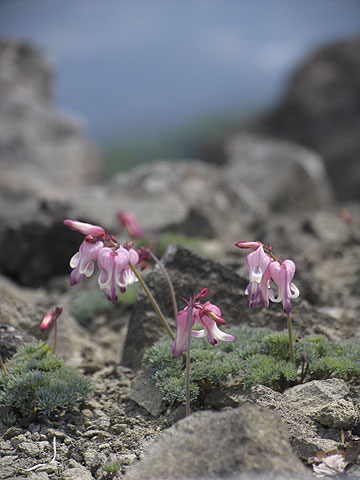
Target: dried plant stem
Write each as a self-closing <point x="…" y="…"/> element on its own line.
<point x="188" y="364"/>
<point x="166" y="275"/>
<point x="3" y="368"/>
<point x="153" y="302"/>
<point x="291" y="346"/>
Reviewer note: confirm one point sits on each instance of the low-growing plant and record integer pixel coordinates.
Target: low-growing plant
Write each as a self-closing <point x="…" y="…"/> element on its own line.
<point x="259" y="356"/>
<point x="111" y="467"/>
<point x="36" y="381"/>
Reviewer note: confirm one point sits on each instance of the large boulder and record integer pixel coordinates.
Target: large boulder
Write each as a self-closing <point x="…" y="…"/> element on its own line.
<point x="42" y="151"/>
<point x="321" y="110"/>
<point x="285" y="176"/>
<point x="227" y="444"/>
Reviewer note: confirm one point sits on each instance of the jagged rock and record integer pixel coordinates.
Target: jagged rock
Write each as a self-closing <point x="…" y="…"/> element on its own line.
<point x="326" y="402"/>
<point x="285" y="176"/>
<point x="42" y="151"/>
<point x="303" y="432"/>
<point x="218" y="445"/>
<point x="321" y="111"/>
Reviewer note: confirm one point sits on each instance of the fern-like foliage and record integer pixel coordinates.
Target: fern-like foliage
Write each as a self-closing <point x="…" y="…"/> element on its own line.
<point x="38" y="382"/>
<point x="258" y="356"/>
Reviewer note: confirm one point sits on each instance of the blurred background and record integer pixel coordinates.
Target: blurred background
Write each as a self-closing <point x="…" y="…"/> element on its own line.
<point x="155" y="79"/>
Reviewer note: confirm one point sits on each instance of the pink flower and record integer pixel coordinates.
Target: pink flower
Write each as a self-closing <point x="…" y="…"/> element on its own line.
<point x="49" y="317"/>
<point x="94" y="231"/>
<point x="207" y="315"/>
<point x="282" y="275"/>
<point x="83" y="261"/>
<point x="258" y="264"/>
<point x="115" y="270"/>
<point x="129" y="222"/>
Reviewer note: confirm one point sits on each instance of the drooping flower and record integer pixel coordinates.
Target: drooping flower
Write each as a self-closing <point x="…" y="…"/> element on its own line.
<point x="258" y="264"/>
<point x="83" y="261"/>
<point x="94" y="231"/>
<point x="208" y="315"/>
<point x="49" y="317"/>
<point x="115" y="270"/>
<point x="129" y="222"/>
<point x="282" y="275"/>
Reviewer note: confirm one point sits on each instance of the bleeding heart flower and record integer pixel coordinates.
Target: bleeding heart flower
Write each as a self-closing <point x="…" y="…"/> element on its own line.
<point x="207" y="315"/>
<point x="282" y="275"/>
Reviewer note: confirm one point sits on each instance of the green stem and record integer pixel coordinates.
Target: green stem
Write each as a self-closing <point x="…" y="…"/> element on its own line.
<point x="291" y="348"/>
<point x="3" y="368"/>
<point x="171" y="287"/>
<point x="55" y="335"/>
<point x="188" y="364"/>
<point x="153" y="302"/>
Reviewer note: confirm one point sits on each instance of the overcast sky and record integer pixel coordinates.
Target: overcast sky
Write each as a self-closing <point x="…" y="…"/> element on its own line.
<point x="133" y="68"/>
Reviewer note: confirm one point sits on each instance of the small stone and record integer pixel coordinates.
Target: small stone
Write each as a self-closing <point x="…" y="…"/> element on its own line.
<point x="15" y="441"/>
<point x="146" y="395"/>
<point x="93" y="459"/>
<point x="77" y="473"/>
<point x="12" y="432"/>
<point x="38" y="476"/>
<point x="325" y="401"/>
<point x="35" y="437"/>
<point x="30" y="448"/>
<point x="128" y="459"/>
<point x="7" y="473"/>
<point x="57" y="433"/>
<point x="339" y="414"/>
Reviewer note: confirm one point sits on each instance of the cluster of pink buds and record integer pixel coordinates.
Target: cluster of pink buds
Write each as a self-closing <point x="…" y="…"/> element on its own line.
<point x="208" y="315"/>
<point x="264" y="268"/>
<point x="113" y="259"/>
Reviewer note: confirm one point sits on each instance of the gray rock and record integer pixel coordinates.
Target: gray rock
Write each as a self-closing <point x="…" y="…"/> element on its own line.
<point x="190" y="197"/>
<point x="218" y="445"/>
<point x="146" y="395"/>
<point x="42" y="151"/>
<point x="303" y="433"/>
<point x="29" y="448"/>
<point x="76" y="472"/>
<point x="321" y="111"/>
<point x="285" y="176"/>
<point x="11" y="340"/>
<point x="325" y="401"/>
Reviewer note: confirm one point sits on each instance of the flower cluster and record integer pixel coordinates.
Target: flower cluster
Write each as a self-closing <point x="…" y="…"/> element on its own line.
<point x="112" y="258"/>
<point x="207" y="314"/>
<point x="264" y="268"/>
